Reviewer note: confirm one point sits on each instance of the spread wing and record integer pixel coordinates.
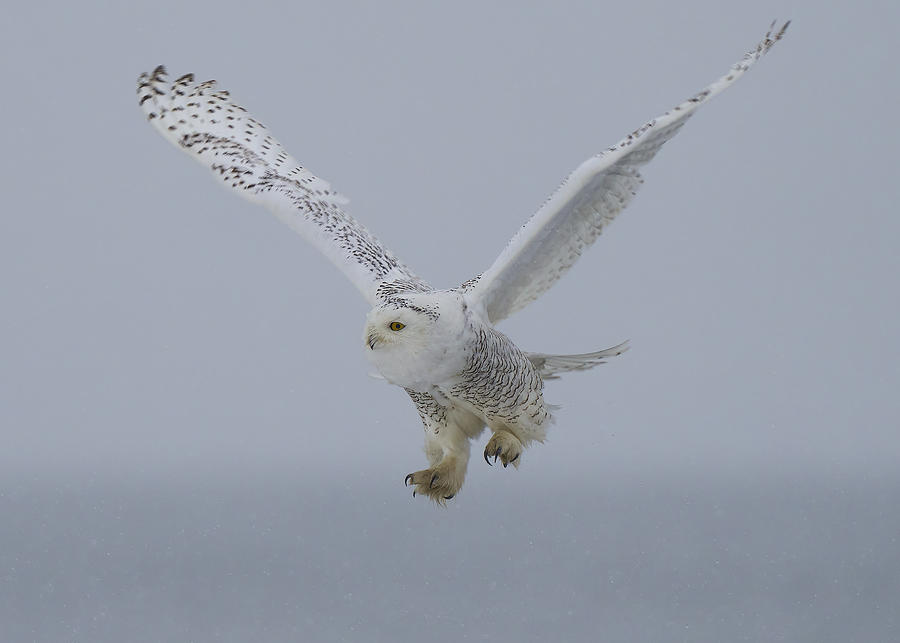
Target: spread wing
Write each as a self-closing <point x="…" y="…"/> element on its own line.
<point x="572" y="218"/>
<point x="239" y="150"/>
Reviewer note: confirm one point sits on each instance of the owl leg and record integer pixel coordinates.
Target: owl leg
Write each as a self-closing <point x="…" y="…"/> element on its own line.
<point x="506" y="446"/>
<point x="448" y="454"/>
<point x="447" y="433"/>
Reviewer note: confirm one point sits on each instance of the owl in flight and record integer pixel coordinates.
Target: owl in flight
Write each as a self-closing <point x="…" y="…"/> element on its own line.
<point x="441" y="346"/>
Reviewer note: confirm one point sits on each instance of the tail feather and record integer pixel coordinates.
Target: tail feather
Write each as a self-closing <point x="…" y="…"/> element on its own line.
<point x="549" y="366"/>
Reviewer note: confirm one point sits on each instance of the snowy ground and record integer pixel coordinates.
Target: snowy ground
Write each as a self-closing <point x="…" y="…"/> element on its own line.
<point x="808" y="559"/>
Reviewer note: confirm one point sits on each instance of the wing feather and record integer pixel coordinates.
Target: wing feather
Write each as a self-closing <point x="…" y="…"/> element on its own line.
<point x="205" y="123"/>
<point x="590" y="198"/>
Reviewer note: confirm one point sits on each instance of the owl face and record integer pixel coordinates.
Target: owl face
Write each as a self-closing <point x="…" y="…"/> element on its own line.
<point x="394" y="327"/>
<point x="416" y="339"/>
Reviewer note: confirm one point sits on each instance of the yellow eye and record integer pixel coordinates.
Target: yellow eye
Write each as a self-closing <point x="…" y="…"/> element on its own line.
<point x="396" y="326"/>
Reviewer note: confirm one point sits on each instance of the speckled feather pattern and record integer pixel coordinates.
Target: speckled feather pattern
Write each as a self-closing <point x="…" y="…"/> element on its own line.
<point x="461" y="373"/>
<point x="502" y="383"/>
<point x="208" y="125"/>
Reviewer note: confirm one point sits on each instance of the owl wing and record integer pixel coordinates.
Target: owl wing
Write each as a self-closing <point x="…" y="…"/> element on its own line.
<point x="240" y="151"/>
<point x="572" y="218"/>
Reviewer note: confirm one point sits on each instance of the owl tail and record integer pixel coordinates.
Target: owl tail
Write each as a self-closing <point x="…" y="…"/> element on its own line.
<point x="549" y="366"/>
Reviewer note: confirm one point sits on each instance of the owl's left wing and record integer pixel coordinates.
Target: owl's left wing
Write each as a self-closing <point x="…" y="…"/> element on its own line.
<point x="571" y="219"/>
<point x="205" y="123"/>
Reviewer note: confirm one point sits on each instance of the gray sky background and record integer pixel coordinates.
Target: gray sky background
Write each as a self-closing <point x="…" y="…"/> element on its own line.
<point x="157" y="328"/>
<point x="151" y="318"/>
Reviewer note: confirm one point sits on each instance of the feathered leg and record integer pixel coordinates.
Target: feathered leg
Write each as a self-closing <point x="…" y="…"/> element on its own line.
<point x="447" y="433"/>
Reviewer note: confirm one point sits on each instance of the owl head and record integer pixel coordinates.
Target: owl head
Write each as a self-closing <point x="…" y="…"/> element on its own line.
<point x="416" y="338"/>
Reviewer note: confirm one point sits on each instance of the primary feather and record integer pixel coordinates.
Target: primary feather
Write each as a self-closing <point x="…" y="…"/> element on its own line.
<point x="205" y="123"/>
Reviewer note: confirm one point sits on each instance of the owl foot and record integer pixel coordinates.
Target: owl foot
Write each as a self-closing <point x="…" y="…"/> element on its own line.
<point x="440" y="483"/>
<point x="506" y="446"/>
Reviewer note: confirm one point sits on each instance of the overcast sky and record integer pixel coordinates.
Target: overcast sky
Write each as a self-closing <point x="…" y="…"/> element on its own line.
<point x="149" y="316"/>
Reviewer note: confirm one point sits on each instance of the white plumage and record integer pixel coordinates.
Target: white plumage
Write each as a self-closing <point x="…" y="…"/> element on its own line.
<point x="439" y="345"/>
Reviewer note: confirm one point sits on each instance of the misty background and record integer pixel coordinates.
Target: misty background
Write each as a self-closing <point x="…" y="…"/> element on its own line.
<point x="192" y="447"/>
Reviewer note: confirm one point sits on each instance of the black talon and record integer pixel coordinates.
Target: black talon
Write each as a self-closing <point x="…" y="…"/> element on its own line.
<point x="414" y="494"/>
<point x="407" y="479"/>
<point x="433" y="478"/>
<point x="486" y="456"/>
<point x="505" y="464"/>
<point x="516" y="458"/>
<point x="450" y="497"/>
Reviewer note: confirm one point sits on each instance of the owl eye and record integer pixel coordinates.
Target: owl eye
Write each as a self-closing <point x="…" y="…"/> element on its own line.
<point x="396" y="326"/>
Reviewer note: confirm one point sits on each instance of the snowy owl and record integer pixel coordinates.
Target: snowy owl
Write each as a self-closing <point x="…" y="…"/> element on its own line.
<point x="441" y="346"/>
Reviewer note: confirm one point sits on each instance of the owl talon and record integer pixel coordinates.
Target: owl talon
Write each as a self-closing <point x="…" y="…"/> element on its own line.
<point x="407" y="480"/>
<point x="441" y="482"/>
<point x="504" y="446"/>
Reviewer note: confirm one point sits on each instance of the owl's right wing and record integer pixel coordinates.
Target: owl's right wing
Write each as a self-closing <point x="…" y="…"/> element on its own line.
<point x="206" y="124"/>
<point x="571" y="219"/>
